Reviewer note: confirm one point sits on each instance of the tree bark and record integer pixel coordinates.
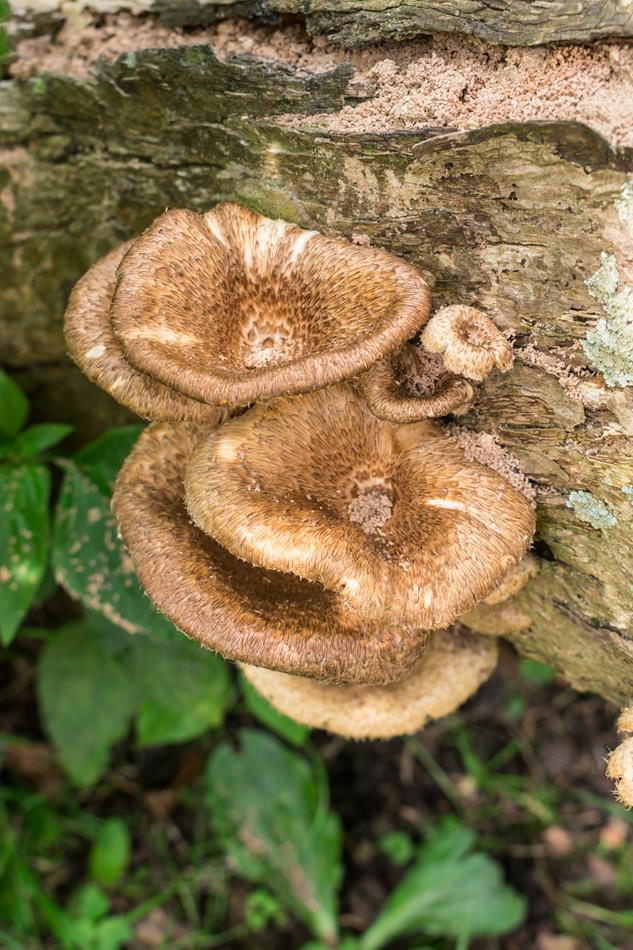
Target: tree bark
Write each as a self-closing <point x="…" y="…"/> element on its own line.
<point x="531" y="221"/>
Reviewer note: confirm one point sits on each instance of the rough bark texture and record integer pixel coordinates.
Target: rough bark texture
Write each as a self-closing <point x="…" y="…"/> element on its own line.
<point x="513" y="218"/>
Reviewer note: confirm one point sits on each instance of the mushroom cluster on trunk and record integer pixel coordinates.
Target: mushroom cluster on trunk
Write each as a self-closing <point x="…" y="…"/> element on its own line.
<point x="295" y="503"/>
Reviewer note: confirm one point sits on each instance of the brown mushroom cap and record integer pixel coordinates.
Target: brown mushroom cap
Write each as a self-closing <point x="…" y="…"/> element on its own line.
<point x="469" y="342"/>
<point x="230" y="307"/>
<point x="403" y="387"/>
<point x="245" y="613"/>
<point x="98" y="354"/>
<point x="391" y="517"/>
<point x="451" y="669"/>
<point x="620" y="769"/>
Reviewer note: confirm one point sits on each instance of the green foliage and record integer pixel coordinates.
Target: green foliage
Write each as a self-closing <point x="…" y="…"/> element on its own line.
<point x="293" y="732"/>
<point x="101" y="460"/>
<point x="93" y="678"/>
<point x="540" y="674"/>
<point x="110" y="852"/>
<point x="449" y="892"/>
<point x="398" y="847"/>
<point x="268" y="810"/>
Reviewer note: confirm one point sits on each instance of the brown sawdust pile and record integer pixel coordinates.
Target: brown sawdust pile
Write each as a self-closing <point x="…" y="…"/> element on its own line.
<point x="441" y="81"/>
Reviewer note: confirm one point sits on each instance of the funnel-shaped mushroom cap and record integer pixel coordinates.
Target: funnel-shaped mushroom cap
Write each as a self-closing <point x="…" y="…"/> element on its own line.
<point x="262" y="617"/>
<point x="98" y="354"/>
<point x="391" y="517"/>
<point x="230" y="307"/>
<point x="469" y="342"/>
<point x="451" y="669"/>
<point x="409" y="385"/>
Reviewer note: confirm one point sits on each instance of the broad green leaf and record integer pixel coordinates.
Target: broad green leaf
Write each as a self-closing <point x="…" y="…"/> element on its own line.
<point x="267" y="809"/>
<point x="110" y="852"/>
<point x="258" y="706"/>
<point x="91" y="563"/>
<point x="449" y="892"/>
<point x="187" y="689"/>
<point x="36" y="439"/>
<point x="14" y="407"/>
<point x="102" y="459"/>
<point x="86" y="694"/>
<point x="24" y="538"/>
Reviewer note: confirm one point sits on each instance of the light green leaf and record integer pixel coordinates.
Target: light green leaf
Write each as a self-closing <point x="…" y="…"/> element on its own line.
<point x="91" y="563"/>
<point x="449" y="892"/>
<point x="86" y="695"/>
<point x="14" y="407"/>
<point x="267" y="810"/>
<point x="24" y="538"/>
<point x="101" y="460"/>
<point x="258" y="706"/>
<point x="110" y="852"/>
<point x="36" y="439"/>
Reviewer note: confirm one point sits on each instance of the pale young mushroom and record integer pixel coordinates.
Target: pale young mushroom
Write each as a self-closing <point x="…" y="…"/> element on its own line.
<point x="262" y="617"/>
<point x="410" y="385"/>
<point x="451" y="669"/>
<point x="470" y="343"/>
<point x="620" y="761"/>
<point x="496" y="615"/>
<point x="393" y="519"/>
<point x="96" y="351"/>
<point x="229" y="307"/>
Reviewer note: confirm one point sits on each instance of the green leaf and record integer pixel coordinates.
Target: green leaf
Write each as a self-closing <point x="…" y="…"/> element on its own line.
<point x="110" y="852"/>
<point x="91" y="563"/>
<point x="398" y="847"/>
<point x="36" y="439"/>
<point x="101" y="460"/>
<point x="269" y="814"/>
<point x="24" y="538"/>
<point x="538" y="673"/>
<point x="258" y="706"/>
<point x="86" y="695"/>
<point x="14" y="407"/>
<point x="449" y="892"/>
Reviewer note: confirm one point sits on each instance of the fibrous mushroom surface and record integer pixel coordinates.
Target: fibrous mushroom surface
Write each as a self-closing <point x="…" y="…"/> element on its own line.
<point x="287" y="487"/>
<point x="452" y="668"/>
<point x="230" y="307"/>
<point x="410" y="385"/>
<point x="96" y="351"/>
<point x="470" y="343"/>
<point x="262" y="617"/>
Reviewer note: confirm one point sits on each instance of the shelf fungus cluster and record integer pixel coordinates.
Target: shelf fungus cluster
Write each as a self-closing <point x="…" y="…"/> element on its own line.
<point x="295" y="505"/>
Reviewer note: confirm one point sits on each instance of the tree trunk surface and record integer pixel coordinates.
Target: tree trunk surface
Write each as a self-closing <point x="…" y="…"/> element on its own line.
<point x="532" y="221"/>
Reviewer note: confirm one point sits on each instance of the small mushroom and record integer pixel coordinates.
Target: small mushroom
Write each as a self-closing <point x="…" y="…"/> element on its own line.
<point x="451" y="669"/>
<point x="406" y="387"/>
<point x="262" y="617"/>
<point x="96" y="351"/>
<point x="496" y="617"/>
<point x="620" y="761"/>
<point x="393" y="518"/>
<point x="230" y="307"/>
<point x="469" y="342"/>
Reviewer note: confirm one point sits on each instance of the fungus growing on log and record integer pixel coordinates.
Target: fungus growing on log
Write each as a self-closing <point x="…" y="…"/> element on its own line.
<point x="406" y="387"/>
<point x="620" y="761"/>
<point x="245" y="613"/>
<point x="470" y="343"/>
<point x="392" y="519"/>
<point x="98" y="354"/>
<point x="451" y="669"/>
<point x="230" y="307"/>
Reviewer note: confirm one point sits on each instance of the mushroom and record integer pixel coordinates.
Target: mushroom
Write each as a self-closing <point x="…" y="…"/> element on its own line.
<point x="406" y="387"/>
<point x="261" y="617"/>
<point x="96" y="351"/>
<point x="391" y="518"/>
<point x="451" y="669"/>
<point x="620" y="760"/>
<point x="469" y="342"/>
<point x="230" y="307"/>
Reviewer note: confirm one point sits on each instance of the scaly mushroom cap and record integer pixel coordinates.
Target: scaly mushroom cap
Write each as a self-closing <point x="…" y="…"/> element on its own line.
<point x="406" y="387"/>
<point x="230" y="307"/>
<point x="391" y="517"/>
<point x="620" y="769"/>
<point x="261" y="617"/>
<point x="469" y="342"/>
<point x="451" y="669"/>
<point x="98" y="354"/>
